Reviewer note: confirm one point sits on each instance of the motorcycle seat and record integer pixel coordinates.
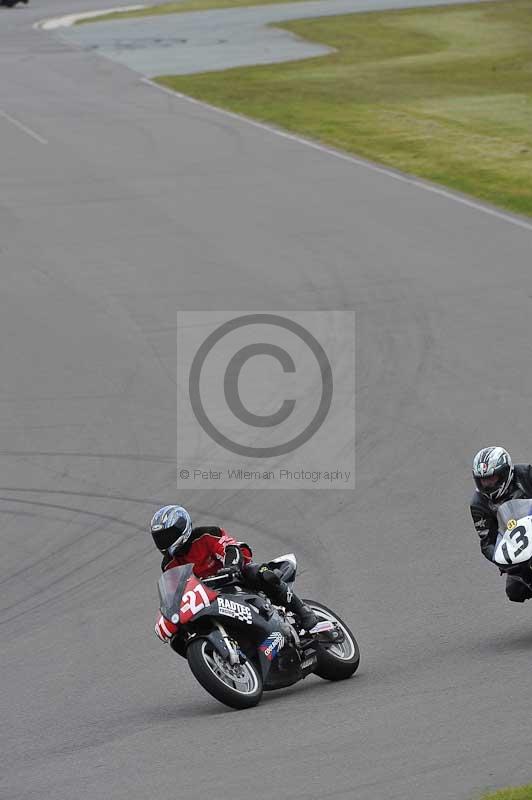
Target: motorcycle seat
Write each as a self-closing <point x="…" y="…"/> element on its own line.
<point x="285" y="566"/>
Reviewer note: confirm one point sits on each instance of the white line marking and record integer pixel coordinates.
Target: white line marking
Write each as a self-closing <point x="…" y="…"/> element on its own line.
<point x="419" y="184"/>
<point x="24" y="128"/>
<point x="71" y="19"/>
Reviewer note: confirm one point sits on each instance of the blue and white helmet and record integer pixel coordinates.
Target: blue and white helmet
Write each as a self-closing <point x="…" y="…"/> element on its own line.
<point x="171" y="528"/>
<point x="493" y="472"/>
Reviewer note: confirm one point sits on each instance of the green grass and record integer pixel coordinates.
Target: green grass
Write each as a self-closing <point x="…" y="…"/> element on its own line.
<point x="522" y="793"/>
<point x="443" y="93"/>
<point x="177" y="8"/>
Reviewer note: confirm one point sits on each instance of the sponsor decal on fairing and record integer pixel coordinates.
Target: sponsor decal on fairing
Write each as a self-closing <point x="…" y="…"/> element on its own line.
<point x="230" y="608"/>
<point x="271" y="646"/>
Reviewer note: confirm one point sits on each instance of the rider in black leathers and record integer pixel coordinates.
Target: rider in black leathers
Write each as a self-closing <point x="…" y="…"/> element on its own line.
<point x="497" y="481"/>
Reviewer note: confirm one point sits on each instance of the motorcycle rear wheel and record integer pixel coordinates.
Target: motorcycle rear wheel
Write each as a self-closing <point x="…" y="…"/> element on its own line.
<point x="238" y="686"/>
<point x="338" y="661"/>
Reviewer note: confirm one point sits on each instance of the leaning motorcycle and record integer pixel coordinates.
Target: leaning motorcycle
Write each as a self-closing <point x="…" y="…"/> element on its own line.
<point x="513" y="548"/>
<point x="238" y="644"/>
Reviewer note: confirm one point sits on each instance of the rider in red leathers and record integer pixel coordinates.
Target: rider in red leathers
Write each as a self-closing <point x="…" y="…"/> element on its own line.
<point x="211" y="549"/>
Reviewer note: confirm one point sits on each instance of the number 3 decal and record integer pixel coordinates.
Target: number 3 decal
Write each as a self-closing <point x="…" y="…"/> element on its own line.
<point x="519" y="537"/>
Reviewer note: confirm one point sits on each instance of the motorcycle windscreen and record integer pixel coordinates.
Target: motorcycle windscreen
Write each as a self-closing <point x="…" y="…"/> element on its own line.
<point x="171" y="587"/>
<point x="512" y="511"/>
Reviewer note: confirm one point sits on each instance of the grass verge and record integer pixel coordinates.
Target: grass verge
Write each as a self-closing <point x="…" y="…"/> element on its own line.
<point x="180" y="7"/>
<point x="443" y="93"/>
<point x="521" y="793"/>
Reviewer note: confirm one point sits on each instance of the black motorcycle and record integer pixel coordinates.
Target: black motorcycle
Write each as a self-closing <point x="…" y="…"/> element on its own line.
<point x="238" y="644"/>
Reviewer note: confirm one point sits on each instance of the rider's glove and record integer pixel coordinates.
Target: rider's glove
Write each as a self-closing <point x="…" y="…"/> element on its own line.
<point x="165" y="629"/>
<point x="233" y="556"/>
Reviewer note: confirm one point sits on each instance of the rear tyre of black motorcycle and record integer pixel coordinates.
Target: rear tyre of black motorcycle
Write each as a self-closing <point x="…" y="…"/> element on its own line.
<point x="205" y="663"/>
<point x="338" y="662"/>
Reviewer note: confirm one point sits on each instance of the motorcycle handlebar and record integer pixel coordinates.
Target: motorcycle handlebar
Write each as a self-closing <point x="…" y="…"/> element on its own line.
<point x="220" y="580"/>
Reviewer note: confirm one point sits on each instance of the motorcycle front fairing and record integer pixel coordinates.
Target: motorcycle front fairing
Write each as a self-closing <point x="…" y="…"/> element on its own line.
<point x="513" y="548"/>
<point x="244" y="616"/>
<point x="171" y="586"/>
<point x="513" y="511"/>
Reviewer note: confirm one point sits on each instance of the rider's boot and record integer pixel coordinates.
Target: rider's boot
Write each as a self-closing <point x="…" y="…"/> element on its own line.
<point x="305" y="616"/>
<point x="280" y="593"/>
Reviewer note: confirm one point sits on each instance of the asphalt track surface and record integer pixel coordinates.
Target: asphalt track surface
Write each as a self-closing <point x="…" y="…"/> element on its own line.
<point x="138" y="204"/>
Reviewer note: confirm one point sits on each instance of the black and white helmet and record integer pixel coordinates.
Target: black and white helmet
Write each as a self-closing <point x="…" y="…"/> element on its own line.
<point x="493" y="472"/>
<point x="171" y="528"/>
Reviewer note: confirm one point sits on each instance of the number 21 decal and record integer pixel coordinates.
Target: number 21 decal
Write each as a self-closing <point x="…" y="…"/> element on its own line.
<point x="195" y="600"/>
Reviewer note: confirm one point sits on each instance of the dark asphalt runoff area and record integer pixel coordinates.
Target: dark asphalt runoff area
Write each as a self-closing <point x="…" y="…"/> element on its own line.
<point x="121" y="204"/>
<point x="217" y="39"/>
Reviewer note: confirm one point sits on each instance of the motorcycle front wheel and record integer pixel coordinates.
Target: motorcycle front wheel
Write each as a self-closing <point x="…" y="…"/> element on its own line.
<point x="336" y="662"/>
<point x="238" y="686"/>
